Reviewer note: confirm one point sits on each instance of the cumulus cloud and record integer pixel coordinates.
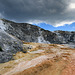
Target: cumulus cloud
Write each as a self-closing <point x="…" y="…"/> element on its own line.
<point x="53" y="12"/>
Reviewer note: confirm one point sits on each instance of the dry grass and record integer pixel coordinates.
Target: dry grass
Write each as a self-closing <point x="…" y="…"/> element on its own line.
<point x="67" y="48"/>
<point x="48" y="67"/>
<point x="19" y="55"/>
<point x="35" y="70"/>
<point x="52" y="66"/>
<point x="48" y="50"/>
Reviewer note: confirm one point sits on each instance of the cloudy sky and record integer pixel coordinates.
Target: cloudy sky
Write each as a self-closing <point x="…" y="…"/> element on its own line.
<point x="53" y="12"/>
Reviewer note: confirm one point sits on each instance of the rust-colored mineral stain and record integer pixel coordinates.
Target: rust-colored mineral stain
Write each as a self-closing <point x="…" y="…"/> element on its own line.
<point x="70" y="68"/>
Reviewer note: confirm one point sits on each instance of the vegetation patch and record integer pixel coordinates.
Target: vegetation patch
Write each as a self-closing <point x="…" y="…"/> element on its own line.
<point x="1" y="49"/>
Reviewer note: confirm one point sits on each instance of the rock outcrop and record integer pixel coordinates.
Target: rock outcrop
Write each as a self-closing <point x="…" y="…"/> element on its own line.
<point x="9" y="45"/>
<point x="31" y="33"/>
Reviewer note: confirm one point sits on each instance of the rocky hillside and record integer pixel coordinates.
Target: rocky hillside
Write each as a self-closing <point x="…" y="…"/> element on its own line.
<point x="9" y="45"/>
<point x="31" y="33"/>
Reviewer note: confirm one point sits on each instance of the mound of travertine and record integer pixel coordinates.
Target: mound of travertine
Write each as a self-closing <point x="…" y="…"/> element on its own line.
<point x="41" y="59"/>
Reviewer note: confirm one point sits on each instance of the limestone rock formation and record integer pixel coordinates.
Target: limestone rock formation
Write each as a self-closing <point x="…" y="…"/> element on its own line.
<point x="9" y="45"/>
<point x="31" y="33"/>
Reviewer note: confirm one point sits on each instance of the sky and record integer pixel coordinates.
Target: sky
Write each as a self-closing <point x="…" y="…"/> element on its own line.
<point x="52" y="28"/>
<point x="48" y="14"/>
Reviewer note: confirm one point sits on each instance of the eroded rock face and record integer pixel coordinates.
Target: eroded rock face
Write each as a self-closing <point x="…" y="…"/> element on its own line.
<point x="31" y="33"/>
<point x="66" y="36"/>
<point x="9" y="45"/>
<point x="9" y="42"/>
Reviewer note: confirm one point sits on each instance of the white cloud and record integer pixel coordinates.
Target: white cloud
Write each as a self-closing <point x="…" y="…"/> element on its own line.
<point x="72" y="5"/>
<point x="35" y="21"/>
<point x="63" y="23"/>
<point x="53" y="12"/>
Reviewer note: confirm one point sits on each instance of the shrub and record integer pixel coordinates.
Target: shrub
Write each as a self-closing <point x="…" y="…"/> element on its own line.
<point x="1" y="49"/>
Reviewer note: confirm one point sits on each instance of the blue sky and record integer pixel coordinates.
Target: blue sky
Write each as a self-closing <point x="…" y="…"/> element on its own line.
<point x="66" y="27"/>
